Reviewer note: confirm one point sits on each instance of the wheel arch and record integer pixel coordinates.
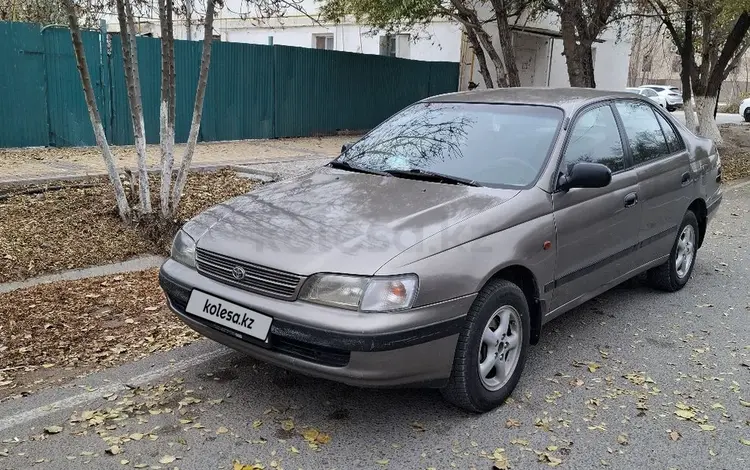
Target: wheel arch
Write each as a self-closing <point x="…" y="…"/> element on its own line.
<point x="698" y="207"/>
<point x="524" y="278"/>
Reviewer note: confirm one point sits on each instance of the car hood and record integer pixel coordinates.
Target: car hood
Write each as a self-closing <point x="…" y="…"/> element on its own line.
<point x="336" y="221"/>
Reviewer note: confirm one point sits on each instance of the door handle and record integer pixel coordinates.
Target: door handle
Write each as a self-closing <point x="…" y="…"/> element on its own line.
<point x="631" y="200"/>
<point x="685" y="179"/>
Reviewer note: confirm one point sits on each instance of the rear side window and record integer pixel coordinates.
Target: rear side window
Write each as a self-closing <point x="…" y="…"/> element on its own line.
<point x="595" y="139"/>
<point x="646" y="138"/>
<point x="673" y="140"/>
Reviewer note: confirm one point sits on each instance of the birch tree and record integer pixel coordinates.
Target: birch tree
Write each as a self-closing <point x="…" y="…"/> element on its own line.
<point x="200" y="94"/>
<point x="133" y="85"/>
<point x="96" y="121"/>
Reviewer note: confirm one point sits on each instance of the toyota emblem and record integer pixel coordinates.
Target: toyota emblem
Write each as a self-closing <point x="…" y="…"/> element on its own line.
<point x="238" y="273"/>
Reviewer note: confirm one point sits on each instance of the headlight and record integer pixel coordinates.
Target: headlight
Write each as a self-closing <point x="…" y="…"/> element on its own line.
<point x="183" y="249"/>
<point x="367" y="294"/>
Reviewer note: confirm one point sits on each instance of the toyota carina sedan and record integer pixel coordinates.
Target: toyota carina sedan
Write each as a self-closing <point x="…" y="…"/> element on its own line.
<point x="432" y="251"/>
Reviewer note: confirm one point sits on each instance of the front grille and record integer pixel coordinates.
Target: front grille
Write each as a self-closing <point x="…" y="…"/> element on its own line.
<point x="259" y="279"/>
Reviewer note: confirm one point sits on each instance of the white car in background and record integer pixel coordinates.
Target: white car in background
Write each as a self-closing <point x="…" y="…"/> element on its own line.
<point x="650" y="94"/>
<point x="672" y="95"/>
<point x="745" y="109"/>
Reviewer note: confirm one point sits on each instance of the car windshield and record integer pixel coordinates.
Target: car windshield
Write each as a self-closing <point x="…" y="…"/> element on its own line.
<point x="496" y="145"/>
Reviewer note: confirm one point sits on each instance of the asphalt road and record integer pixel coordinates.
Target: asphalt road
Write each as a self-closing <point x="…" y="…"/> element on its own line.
<point x="624" y="381"/>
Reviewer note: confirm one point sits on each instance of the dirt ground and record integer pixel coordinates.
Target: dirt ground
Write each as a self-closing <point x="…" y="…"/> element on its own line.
<point x="77" y="227"/>
<point x="52" y="333"/>
<point x="23" y="163"/>
<point x="735" y="152"/>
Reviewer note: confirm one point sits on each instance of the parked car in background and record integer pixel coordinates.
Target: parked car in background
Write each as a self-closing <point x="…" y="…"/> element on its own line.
<point x="650" y="94"/>
<point x="672" y="95"/>
<point x="745" y="109"/>
<point x="432" y="251"/>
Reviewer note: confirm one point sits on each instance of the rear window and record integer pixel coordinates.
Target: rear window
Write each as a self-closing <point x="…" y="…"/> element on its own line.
<point x="496" y="145"/>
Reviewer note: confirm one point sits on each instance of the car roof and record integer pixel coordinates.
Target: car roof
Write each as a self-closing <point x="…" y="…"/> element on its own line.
<point x="566" y="98"/>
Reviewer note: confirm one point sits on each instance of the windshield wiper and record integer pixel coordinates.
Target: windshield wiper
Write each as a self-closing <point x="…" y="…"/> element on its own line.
<point x="426" y="175"/>
<point x="348" y="166"/>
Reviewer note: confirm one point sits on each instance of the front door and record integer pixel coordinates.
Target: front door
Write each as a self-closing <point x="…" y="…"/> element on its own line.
<point x="597" y="229"/>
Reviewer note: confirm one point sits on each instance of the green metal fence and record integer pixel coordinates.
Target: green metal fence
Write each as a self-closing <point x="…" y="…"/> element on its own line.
<point x="253" y="91"/>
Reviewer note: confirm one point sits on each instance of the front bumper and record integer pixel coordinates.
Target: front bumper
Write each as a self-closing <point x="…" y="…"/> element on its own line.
<point x="373" y="350"/>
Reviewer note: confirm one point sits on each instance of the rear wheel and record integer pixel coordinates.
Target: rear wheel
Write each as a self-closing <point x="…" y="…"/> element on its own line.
<point x="675" y="272"/>
<point x="491" y="350"/>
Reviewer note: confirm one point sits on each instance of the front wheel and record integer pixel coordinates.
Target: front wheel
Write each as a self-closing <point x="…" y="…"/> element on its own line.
<point x="675" y="272"/>
<point x="491" y="350"/>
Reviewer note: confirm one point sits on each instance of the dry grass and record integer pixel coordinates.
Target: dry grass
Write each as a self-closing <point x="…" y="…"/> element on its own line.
<point x="735" y="152"/>
<point x="53" y="332"/>
<point x="77" y="227"/>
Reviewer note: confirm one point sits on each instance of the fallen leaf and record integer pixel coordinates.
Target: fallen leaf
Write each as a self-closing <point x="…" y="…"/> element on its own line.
<point x="53" y="429"/>
<point x="512" y="423"/>
<point x="419" y="427"/>
<point x="287" y="425"/>
<point x="167" y="459"/>
<point x="500" y="460"/>
<point x="550" y="460"/>
<point x="114" y="450"/>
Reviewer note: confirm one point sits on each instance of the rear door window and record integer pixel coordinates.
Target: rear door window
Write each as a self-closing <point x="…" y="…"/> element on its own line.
<point x="644" y="133"/>
<point x="674" y="141"/>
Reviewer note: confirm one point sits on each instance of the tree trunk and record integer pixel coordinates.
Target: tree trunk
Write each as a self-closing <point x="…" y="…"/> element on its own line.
<point x="197" y="108"/>
<point x="133" y="85"/>
<point x="506" y="43"/>
<point x="578" y="53"/>
<point x="96" y="121"/>
<point x="686" y="59"/>
<point x="481" y="59"/>
<point x="707" y="126"/>
<point x="166" y="122"/>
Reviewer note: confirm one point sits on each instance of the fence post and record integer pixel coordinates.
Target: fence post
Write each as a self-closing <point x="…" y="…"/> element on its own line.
<point x="104" y="84"/>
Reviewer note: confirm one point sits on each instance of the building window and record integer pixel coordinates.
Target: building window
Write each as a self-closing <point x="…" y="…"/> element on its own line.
<point x="395" y="45"/>
<point x="676" y="64"/>
<point x="323" y="41"/>
<point x="647" y="62"/>
<point x="388" y="45"/>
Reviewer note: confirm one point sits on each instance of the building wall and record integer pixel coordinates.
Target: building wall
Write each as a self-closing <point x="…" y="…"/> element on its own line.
<point x="441" y="41"/>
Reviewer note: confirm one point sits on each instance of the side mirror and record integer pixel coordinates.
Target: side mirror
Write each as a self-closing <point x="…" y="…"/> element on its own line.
<point x="585" y="175"/>
<point x="346" y="147"/>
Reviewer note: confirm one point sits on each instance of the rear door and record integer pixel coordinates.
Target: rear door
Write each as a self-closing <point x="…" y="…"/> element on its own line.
<point x="596" y="228"/>
<point x="661" y="163"/>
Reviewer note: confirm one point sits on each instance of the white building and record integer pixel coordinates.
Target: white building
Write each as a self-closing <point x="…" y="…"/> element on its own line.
<point x="538" y="44"/>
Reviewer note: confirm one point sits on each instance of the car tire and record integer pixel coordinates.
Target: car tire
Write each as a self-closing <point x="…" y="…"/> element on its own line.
<point x="673" y="274"/>
<point x="467" y="387"/>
